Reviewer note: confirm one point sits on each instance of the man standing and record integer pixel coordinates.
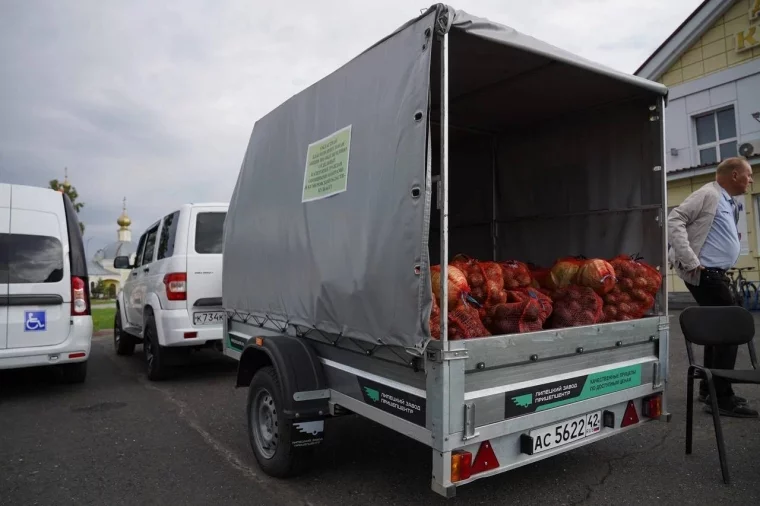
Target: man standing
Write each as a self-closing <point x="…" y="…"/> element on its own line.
<point x="704" y="244"/>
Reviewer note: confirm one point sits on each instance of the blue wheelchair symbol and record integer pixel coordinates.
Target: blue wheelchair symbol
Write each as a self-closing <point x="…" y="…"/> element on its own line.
<point x="34" y="321"/>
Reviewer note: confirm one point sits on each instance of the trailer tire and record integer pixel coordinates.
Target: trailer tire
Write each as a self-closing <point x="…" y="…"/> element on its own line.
<point x="269" y="432"/>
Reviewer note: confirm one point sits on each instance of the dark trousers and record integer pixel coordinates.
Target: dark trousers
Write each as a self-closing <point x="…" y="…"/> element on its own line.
<point x="713" y="290"/>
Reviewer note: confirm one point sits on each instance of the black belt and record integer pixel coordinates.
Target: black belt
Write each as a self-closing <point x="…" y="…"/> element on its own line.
<point x="716" y="270"/>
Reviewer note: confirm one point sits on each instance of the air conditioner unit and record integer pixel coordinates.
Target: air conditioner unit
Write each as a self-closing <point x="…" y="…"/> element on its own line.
<point x="750" y="148"/>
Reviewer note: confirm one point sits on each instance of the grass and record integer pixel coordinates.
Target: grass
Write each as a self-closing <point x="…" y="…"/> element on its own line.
<point x="102" y="318"/>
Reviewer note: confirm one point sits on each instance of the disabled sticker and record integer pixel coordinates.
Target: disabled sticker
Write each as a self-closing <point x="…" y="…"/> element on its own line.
<point x="34" y="321"/>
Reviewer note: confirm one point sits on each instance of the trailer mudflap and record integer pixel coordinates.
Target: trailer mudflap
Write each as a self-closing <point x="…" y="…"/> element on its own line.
<point x="304" y="391"/>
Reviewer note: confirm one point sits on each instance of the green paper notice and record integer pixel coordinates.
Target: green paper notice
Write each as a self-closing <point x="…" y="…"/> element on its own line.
<point x="327" y="166"/>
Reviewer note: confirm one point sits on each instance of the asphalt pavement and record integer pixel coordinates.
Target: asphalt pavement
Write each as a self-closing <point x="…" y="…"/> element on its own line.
<point x="122" y="440"/>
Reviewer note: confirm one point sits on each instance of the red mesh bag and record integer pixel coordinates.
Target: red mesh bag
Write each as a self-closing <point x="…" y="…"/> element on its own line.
<point x="564" y="272"/>
<point x="435" y="321"/>
<point x="525" y="310"/>
<point x="459" y="289"/>
<point x="485" y="281"/>
<point x="575" y="306"/>
<point x="597" y="274"/>
<point x="464" y="323"/>
<point x="634" y="294"/>
<point x="543" y="278"/>
<point x="515" y="274"/>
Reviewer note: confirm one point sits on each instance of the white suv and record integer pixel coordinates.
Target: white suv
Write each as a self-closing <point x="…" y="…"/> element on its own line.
<point x="172" y="299"/>
<point x="45" y="315"/>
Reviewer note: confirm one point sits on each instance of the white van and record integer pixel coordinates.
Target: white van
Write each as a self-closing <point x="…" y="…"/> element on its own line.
<point x="172" y="299"/>
<point x="45" y="315"/>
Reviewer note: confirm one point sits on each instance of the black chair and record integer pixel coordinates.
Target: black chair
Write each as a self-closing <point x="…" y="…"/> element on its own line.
<point x="712" y="325"/>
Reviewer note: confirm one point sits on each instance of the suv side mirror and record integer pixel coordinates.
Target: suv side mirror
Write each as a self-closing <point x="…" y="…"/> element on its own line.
<point x="121" y="262"/>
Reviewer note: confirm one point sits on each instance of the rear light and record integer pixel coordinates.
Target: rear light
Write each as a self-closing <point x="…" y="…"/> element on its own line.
<point x="78" y="354"/>
<point x="630" y="417"/>
<point x="79" y="302"/>
<point x="190" y="335"/>
<point x="176" y="286"/>
<point x="461" y="465"/>
<point x="652" y="406"/>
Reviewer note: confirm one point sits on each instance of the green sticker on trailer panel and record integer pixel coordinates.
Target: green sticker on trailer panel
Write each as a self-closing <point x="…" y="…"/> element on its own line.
<point x="236" y="343"/>
<point x="396" y="402"/>
<point x="559" y="393"/>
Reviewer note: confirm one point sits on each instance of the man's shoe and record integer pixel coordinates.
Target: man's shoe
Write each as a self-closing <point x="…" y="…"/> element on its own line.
<point x="706" y="399"/>
<point x="731" y="408"/>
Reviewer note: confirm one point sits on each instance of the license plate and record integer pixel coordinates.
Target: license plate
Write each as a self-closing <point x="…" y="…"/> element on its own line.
<point x="208" y="318"/>
<point x="566" y="431"/>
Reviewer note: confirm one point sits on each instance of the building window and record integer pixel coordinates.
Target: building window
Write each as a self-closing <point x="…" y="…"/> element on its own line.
<point x="716" y="135"/>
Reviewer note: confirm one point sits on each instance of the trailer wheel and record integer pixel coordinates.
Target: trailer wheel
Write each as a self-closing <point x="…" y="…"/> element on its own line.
<point x="269" y="432"/>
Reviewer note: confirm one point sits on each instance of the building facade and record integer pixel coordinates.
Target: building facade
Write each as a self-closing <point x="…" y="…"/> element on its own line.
<point x="711" y="65"/>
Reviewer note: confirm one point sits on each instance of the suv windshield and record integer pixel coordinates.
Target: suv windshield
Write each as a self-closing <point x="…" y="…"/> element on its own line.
<point x="209" y="232"/>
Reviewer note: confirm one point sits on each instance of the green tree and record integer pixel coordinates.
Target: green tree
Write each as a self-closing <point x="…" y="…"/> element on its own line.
<point x="99" y="289"/>
<point x="71" y="191"/>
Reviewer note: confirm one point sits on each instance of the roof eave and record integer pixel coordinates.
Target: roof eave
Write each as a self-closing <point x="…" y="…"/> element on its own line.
<point x="682" y="38"/>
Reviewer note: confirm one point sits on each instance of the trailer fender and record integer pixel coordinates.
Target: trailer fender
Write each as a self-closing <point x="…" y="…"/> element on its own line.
<point x="298" y="369"/>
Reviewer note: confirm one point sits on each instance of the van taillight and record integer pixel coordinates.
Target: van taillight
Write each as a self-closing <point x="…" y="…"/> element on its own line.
<point x="176" y="286"/>
<point x="79" y="302"/>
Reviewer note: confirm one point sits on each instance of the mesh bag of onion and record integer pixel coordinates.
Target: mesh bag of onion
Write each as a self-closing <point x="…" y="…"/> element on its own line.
<point x="575" y="306"/>
<point x="515" y="275"/>
<point x="635" y="291"/>
<point x="485" y="279"/>
<point x="525" y="310"/>
<point x="435" y="321"/>
<point x="464" y="322"/>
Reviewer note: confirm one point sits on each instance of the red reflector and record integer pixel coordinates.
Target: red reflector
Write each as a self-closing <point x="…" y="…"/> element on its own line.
<point x="631" y="416"/>
<point x="485" y="460"/>
<point x="652" y="407"/>
<point x="190" y="335"/>
<point x="461" y="465"/>
<point x="77" y="355"/>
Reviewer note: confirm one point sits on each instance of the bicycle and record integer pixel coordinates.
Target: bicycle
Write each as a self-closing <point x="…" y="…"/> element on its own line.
<point x="745" y="292"/>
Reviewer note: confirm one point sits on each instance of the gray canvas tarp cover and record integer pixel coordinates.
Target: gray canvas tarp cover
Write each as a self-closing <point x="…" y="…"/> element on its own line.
<point x="346" y="264"/>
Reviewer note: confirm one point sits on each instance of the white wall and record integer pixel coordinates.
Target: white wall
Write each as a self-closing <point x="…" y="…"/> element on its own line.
<point x="743" y="93"/>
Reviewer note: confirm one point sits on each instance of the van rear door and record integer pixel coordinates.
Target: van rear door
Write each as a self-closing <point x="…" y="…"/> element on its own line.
<point x="204" y="265"/>
<point x="39" y="288"/>
<point x="5" y="230"/>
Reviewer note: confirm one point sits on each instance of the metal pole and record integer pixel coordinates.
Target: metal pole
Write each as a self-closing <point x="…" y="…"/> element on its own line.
<point x="444" y="191"/>
<point x="664" y="183"/>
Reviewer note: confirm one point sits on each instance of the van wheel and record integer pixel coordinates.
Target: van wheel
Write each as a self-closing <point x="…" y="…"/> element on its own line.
<point x="122" y="342"/>
<point x="155" y="355"/>
<point x="269" y="432"/>
<point x="74" y="373"/>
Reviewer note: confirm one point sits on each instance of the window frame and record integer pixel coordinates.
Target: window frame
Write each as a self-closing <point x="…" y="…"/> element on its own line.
<point x="170" y="233"/>
<point x="151" y="230"/>
<point x="718" y="141"/>
<point x="195" y="232"/>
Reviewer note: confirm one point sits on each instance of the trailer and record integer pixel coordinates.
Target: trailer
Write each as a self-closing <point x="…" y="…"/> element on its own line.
<point x="453" y="134"/>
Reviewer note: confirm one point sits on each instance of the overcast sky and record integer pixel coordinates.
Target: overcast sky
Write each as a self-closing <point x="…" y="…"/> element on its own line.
<point x="155" y="100"/>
